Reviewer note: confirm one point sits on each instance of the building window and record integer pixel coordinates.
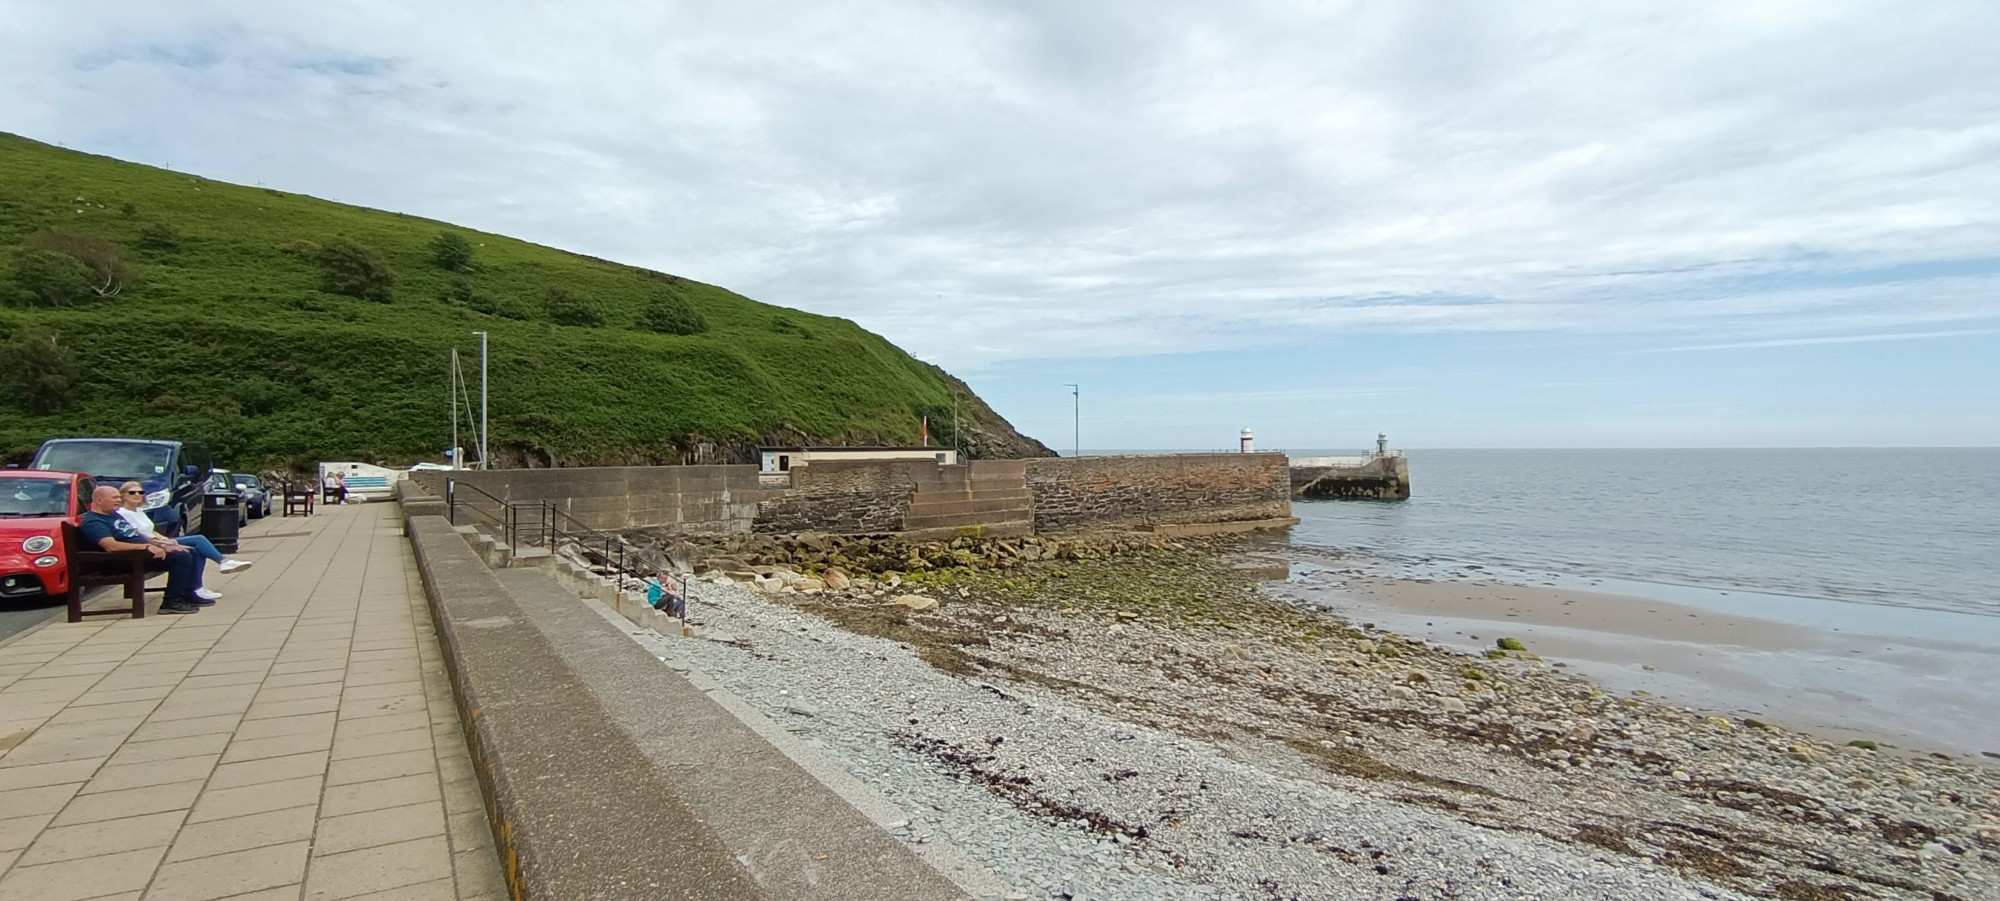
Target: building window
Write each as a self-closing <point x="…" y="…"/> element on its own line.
<point x="784" y="462"/>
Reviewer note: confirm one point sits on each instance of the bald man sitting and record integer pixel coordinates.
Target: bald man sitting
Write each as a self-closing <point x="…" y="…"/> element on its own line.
<point x="103" y="528"/>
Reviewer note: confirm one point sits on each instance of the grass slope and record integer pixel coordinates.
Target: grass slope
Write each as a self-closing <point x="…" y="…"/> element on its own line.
<point x="228" y="339"/>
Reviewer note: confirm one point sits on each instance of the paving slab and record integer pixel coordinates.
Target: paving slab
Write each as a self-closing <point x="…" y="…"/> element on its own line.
<point x="290" y="741"/>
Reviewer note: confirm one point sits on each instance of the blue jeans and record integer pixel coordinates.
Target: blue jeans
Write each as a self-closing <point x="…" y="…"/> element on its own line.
<point x="199" y="549"/>
<point x="183" y="576"/>
<point x="201" y="546"/>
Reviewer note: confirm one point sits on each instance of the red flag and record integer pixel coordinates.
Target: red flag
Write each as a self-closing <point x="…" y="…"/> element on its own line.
<point x="927" y="430"/>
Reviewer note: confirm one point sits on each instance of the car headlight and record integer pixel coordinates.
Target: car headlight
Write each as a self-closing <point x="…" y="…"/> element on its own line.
<point x="37" y="544"/>
<point x="159" y="498"/>
<point x="47" y="561"/>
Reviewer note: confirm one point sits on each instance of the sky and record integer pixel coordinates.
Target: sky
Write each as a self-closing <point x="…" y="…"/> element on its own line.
<point x="1466" y="224"/>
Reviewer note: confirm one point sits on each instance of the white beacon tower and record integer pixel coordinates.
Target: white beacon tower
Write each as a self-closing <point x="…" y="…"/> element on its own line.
<point x="1246" y="444"/>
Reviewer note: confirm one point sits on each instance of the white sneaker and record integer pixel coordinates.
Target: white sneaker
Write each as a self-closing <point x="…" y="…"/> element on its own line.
<point x="231" y="565"/>
<point x="208" y="595"/>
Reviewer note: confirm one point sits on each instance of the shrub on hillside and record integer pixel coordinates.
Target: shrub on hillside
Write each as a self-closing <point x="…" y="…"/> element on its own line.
<point x="451" y="252"/>
<point x="503" y="307"/>
<point x="161" y="237"/>
<point x="41" y="373"/>
<point x="42" y="278"/>
<point x="356" y="270"/>
<point x="567" y="307"/>
<point x="784" y="325"/>
<point x="105" y="259"/>
<point x="670" y="315"/>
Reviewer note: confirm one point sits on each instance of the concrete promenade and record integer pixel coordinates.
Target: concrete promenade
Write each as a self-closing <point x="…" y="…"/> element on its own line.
<point x="298" y="739"/>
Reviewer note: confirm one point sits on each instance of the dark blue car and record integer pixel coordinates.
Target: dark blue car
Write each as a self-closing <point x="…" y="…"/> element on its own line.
<point x="172" y="472"/>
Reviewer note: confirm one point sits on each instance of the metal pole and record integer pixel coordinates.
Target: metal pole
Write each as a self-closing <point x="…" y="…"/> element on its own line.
<point x="484" y="434"/>
<point x="454" y="408"/>
<point x="1076" y="419"/>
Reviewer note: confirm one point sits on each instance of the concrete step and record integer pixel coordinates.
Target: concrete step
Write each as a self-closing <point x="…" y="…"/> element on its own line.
<point x="975" y="494"/>
<point x="962" y="518"/>
<point x="925" y="507"/>
<point x="1003" y="529"/>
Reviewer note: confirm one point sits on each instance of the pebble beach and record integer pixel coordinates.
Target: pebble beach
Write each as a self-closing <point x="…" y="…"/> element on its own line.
<point x="1154" y="721"/>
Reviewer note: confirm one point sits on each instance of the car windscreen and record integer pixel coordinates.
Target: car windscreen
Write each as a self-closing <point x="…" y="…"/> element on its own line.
<point x="108" y="460"/>
<point x="243" y="481"/>
<point x="33" y="497"/>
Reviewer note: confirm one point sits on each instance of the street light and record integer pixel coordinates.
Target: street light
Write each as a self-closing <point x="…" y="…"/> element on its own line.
<point x="483" y="433"/>
<point x="1076" y="419"/>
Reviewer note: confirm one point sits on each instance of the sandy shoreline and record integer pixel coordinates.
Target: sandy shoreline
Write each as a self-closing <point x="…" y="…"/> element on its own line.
<point x="1841" y="685"/>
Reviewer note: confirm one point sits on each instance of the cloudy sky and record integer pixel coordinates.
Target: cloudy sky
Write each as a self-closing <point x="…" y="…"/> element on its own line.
<point x="1749" y="222"/>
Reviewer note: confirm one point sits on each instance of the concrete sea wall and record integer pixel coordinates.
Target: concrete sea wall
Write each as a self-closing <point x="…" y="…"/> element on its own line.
<point x="699" y="499"/>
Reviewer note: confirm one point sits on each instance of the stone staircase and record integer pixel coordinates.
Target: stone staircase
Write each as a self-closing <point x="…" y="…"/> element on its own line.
<point x="993" y="495"/>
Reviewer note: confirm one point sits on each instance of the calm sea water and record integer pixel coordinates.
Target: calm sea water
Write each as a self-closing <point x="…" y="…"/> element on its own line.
<point x="1909" y="528"/>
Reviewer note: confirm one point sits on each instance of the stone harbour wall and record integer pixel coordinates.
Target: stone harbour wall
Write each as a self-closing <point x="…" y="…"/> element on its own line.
<point x="1146" y="490"/>
<point x="903" y="496"/>
<point x="844" y="497"/>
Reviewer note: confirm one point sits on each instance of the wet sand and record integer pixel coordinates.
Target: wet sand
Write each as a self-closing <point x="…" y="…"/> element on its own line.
<point x="1815" y="673"/>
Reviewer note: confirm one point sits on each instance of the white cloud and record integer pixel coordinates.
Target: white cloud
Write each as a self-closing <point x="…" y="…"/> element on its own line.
<point x="986" y="181"/>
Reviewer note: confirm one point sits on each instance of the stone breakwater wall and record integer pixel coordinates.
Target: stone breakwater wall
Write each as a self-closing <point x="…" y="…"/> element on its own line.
<point x="911" y="497"/>
<point x="1375" y="477"/>
<point x="1158" y="489"/>
<point x="899" y="496"/>
<point x="696" y="499"/>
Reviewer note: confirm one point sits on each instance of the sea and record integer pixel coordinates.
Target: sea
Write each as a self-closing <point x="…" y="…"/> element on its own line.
<point x="1915" y="529"/>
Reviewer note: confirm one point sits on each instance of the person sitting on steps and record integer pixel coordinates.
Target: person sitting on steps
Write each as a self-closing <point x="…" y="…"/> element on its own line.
<point x="134" y="497"/>
<point x="103" y="528"/>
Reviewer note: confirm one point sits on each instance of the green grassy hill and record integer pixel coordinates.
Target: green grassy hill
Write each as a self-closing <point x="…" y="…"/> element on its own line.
<point x="227" y="330"/>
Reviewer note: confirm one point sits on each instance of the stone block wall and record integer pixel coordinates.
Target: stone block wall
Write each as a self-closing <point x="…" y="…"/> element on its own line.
<point x="1087" y="492"/>
<point x="1054" y="494"/>
<point x="699" y="499"/>
<point x="844" y="496"/>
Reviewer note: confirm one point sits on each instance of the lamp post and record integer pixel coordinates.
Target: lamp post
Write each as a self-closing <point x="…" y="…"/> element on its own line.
<point x="483" y="433"/>
<point x="1076" y="419"/>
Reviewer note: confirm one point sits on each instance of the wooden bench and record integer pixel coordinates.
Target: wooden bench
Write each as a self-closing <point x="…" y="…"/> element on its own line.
<point x="298" y="498"/>
<point x="90" y="567"/>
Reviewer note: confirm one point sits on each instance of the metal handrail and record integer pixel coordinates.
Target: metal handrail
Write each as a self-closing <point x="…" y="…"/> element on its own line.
<point x="622" y="559"/>
<point x="507" y="520"/>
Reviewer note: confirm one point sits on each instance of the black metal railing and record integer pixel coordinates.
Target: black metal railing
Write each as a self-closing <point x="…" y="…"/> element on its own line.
<point x="545" y="524"/>
<point x="620" y="560"/>
<point x="503" y="517"/>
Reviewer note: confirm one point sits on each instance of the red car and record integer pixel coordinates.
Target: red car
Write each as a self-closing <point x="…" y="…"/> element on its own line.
<point x="33" y="506"/>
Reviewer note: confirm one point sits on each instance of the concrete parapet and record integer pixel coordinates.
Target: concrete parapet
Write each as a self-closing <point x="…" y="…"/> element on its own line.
<point x="608" y="776"/>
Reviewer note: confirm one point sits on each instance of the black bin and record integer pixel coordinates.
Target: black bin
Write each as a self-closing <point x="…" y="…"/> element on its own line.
<point x="222" y="519"/>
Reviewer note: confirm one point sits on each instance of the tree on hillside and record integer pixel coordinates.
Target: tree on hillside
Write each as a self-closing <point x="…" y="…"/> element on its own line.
<point x="41" y="373"/>
<point x="356" y="270"/>
<point x="451" y="252"/>
<point x="567" y="307"/>
<point x="670" y="315"/>
<point x="105" y="259"/>
<point x="43" y="278"/>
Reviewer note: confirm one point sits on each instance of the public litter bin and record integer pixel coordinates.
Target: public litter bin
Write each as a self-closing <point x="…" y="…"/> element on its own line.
<point x="222" y="519"/>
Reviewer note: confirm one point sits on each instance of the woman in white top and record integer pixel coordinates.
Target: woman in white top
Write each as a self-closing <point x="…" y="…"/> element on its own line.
<point x="132" y="496"/>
